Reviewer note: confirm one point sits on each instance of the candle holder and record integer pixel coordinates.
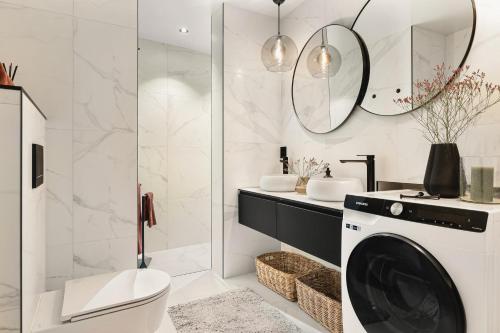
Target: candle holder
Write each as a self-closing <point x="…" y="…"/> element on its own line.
<point x="480" y="179"/>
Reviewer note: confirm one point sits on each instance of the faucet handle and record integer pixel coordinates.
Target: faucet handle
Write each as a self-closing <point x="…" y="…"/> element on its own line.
<point x="367" y="156"/>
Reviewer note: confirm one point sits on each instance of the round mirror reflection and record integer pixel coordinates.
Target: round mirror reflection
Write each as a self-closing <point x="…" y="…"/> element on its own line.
<point x="329" y="79"/>
<point x="406" y="40"/>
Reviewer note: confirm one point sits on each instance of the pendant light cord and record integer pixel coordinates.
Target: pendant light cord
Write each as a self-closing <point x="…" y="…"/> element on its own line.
<point x="279" y="19"/>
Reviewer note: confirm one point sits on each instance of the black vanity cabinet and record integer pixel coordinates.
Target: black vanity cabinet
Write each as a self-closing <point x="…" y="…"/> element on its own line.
<point x="310" y="228"/>
<point x="258" y="214"/>
<point x="311" y="231"/>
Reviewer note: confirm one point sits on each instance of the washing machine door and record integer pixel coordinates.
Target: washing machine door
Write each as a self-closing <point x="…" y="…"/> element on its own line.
<point x="395" y="285"/>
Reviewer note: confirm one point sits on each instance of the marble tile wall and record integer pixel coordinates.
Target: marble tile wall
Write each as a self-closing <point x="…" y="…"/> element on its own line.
<point x="153" y="170"/>
<point x="174" y="141"/>
<point x="189" y="133"/>
<point x="77" y="59"/>
<point x="10" y="209"/>
<point x="252" y="130"/>
<point x="401" y="151"/>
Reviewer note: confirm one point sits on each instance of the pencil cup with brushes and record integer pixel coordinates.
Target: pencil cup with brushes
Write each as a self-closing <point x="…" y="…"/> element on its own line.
<point x="7" y="75"/>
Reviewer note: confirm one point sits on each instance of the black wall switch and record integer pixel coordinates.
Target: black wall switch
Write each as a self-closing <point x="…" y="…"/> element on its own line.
<point x="37" y="165"/>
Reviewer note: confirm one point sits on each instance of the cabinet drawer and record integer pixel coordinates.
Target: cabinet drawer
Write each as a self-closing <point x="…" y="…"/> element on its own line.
<point x="258" y="214"/>
<point x="316" y="233"/>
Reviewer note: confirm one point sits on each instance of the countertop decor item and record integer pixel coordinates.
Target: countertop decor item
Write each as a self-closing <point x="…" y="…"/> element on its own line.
<point x="306" y="168"/>
<point x="462" y="97"/>
<point x="279" y="53"/>
<point x="479" y="178"/>
<point x="7" y="75"/>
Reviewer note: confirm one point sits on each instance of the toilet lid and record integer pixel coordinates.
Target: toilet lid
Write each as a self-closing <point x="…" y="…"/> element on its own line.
<point x="91" y="296"/>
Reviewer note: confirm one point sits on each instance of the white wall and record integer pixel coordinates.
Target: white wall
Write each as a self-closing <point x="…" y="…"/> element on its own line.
<point x="33" y="214"/>
<point x="77" y="59"/>
<point x="174" y="143"/>
<point x="252" y="128"/>
<point x="396" y="141"/>
<point x="10" y="211"/>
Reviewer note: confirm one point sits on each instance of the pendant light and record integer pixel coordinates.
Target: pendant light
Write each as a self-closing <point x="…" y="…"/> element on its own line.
<point x="279" y="53"/>
<point x="324" y="61"/>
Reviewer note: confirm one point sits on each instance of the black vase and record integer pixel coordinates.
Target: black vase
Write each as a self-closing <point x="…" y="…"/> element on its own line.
<point x="442" y="175"/>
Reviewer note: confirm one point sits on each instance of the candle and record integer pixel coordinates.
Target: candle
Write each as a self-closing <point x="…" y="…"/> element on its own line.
<point x="481" y="187"/>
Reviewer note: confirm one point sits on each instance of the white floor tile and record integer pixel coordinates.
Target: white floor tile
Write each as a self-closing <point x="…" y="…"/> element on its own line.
<point x="182" y="260"/>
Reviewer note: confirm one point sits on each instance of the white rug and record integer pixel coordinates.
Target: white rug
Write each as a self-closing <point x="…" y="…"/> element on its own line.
<point x="238" y="311"/>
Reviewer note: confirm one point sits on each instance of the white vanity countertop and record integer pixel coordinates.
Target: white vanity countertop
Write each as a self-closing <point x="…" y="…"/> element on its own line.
<point x="294" y="196"/>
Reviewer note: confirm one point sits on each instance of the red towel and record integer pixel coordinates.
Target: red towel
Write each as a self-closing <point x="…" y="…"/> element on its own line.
<point x="149" y="209"/>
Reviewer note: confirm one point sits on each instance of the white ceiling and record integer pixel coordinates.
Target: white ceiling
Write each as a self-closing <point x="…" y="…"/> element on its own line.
<point x="160" y="20"/>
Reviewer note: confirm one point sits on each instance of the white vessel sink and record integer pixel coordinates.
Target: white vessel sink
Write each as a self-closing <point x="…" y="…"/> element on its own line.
<point x="278" y="183"/>
<point x="332" y="189"/>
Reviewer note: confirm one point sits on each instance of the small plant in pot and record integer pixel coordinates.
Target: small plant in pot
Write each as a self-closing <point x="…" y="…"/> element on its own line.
<point x="306" y="168"/>
<point x="448" y="106"/>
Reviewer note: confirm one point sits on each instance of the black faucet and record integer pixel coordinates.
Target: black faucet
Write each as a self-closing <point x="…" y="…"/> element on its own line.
<point x="370" y="170"/>
<point x="284" y="160"/>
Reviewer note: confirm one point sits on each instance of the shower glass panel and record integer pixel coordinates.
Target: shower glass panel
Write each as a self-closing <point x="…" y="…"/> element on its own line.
<point x="174" y="87"/>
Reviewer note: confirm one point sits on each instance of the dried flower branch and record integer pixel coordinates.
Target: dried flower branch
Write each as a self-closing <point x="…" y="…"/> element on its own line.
<point x="308" y="167"/>
<point x="450" y="103"/>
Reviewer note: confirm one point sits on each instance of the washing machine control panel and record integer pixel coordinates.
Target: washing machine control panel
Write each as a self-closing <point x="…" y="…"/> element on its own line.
<point x="446" y="217"/>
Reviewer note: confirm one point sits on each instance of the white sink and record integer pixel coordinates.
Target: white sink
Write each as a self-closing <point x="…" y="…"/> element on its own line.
<point x="278" y="183"/>
<point x="332" y="189"/>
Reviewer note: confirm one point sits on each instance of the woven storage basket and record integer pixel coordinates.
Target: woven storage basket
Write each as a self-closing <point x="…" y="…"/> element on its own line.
<point x="319" y="295"/>
<point x="278" y="271"/>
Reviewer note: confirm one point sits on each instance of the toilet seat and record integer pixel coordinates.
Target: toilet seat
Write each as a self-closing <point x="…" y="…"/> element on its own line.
<point x="103" y="294"/>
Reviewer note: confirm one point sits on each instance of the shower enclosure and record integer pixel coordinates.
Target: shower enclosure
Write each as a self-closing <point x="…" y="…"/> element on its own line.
<point x="175" y="133"/>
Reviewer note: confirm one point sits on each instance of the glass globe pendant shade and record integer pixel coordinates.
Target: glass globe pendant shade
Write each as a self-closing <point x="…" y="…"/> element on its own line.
<point x="324" y="61"/>
<point x="279" y="54"/>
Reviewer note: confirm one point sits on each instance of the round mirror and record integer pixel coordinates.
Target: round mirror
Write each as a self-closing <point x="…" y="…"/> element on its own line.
<point x="406" y="40"/>
<point x="329" y="79"/>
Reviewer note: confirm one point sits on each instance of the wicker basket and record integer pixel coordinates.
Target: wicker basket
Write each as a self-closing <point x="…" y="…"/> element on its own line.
<point x="278" y="271"/>
<point x="319" y="295"/>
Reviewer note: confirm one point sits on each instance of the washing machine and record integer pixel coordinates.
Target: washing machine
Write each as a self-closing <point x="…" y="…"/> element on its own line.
<point x="415" y="265"/>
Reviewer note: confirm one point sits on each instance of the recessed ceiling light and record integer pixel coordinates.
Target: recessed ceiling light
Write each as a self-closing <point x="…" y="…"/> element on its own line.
<point x="183" y="30"/>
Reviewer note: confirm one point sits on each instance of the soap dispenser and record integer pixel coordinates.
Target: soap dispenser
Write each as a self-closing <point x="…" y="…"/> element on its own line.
<point x="328" y="173"/>
<point x="284" y="160"/>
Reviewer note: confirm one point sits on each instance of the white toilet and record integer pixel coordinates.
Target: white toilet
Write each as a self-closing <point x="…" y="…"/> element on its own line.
<point x="131" y="301"/>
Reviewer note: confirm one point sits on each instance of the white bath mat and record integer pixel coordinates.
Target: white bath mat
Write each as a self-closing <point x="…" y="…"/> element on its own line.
<point x="238" y="311"/>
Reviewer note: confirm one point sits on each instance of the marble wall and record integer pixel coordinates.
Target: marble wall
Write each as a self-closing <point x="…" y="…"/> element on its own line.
<point x="396" y="141"/>
<point x="33" y="217"/>
<point x="252" y="126"/>
<point x="10" y="211"/>
<point x="174" y="142"/>
<point x="401" y="151"/>
<point x="77" y="59"/>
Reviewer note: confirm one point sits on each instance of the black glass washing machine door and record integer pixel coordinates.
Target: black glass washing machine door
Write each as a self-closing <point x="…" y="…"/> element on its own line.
<point x="396" y="286"/>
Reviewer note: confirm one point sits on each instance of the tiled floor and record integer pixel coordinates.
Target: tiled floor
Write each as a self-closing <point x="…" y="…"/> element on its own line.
<point x="182" y="260"/>
<point x="195" y="286"/>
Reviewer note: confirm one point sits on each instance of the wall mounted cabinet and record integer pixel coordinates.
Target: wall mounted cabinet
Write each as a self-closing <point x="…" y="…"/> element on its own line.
<point x="314" y="229"/>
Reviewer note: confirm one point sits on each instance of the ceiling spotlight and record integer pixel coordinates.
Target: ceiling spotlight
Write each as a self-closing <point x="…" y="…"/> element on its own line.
<point x="183" y="30"/>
